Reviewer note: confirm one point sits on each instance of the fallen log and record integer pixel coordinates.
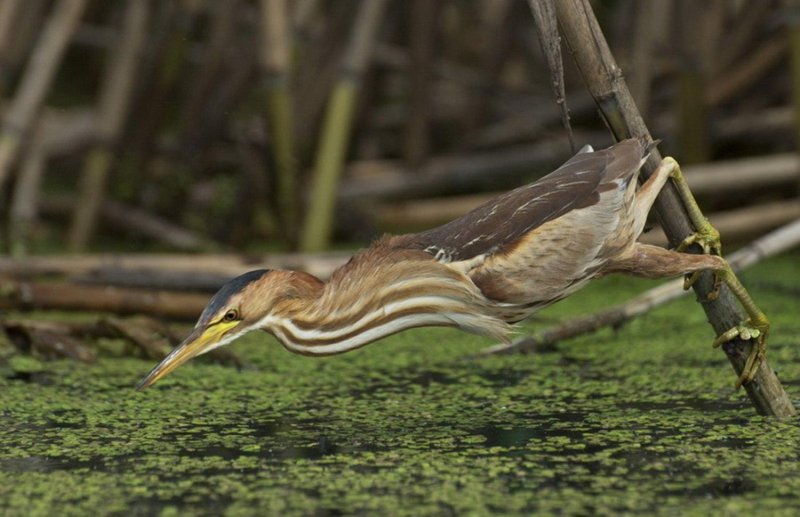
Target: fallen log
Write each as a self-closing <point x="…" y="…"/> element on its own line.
<point x="47" y="339"/>
<point x="760" y="172"/>
<point x="25" y="296"/>
<point x="158" y="265"/>
<point x="743" y="223"/>
<point x="527" y="125"/>
<point x="734" y="225"/>
<point x="747" y="71"/>
<point x="147" y="337"/>
<point x="453" y="174"/>
<point x="711" y="179"/>
<point x="154" y="279"/>
<point x="134" y="220"/>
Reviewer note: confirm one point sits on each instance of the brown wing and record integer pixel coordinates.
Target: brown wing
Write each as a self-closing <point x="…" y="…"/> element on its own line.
<point x="503" y="220"/>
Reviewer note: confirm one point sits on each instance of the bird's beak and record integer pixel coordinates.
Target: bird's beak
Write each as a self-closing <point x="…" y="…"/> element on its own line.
<point x="200" y="341"/>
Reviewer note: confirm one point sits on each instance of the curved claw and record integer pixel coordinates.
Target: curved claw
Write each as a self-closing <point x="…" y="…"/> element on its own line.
<point x="754" y="360"/>
<point x="743" y="331"/>
<point x="690" y="280"/>
<point x="707" y="237"/>
<point x="746" y="331"/>
<point x="714" y="294"/>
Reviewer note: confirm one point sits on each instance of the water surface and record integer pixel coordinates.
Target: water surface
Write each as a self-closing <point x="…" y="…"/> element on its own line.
<point x="638" y="420"/>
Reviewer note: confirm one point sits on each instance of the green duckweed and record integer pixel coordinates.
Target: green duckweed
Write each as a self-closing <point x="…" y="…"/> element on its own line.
<point x="642" y="419"/>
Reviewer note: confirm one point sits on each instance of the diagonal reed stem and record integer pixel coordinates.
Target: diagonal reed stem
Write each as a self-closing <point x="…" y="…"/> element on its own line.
<point x="607" y="85"/>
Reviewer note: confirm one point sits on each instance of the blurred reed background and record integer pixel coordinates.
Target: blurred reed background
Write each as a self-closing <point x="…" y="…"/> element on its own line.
<point x="192" y="125"/>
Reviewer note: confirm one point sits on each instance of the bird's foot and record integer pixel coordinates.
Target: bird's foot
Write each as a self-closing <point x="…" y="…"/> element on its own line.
<point x="755" y="328"/>
<point x="756" y="331"/>
<point x="707" y="237"/>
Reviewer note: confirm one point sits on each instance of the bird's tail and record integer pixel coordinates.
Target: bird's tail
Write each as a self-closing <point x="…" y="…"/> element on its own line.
<point x="483" y="325"/>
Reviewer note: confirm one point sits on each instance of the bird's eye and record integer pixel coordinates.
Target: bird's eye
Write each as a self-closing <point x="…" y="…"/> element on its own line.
<point x="231" y="315"/>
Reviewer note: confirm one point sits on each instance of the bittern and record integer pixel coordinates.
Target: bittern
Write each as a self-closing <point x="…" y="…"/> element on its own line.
<point x="482" y="272"/>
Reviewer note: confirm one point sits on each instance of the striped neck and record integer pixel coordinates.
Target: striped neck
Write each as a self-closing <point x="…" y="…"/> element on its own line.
<point x="359" y="307"/>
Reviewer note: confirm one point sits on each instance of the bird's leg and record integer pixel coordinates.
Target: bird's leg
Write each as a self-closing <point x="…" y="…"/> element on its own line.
<point x="656" y="262"/>
<point x="755" y="327"/>
<point x="705" y="236"/>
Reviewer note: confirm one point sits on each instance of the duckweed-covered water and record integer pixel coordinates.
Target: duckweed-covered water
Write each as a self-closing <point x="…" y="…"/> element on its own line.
<point x="639" y="420"/>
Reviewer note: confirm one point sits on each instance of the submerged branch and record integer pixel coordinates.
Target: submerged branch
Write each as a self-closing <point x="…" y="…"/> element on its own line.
<point x="16" y="295"/>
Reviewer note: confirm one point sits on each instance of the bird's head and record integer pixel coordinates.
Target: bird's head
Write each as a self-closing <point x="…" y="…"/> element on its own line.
<point x="240" y="306"/>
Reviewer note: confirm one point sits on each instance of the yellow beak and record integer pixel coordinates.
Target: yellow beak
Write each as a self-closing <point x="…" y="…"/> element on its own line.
<point x="200" y="341"/>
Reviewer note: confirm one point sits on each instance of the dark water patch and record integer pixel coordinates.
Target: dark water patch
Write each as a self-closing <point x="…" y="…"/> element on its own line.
<point x="722" y="407"/>
<point x="45" y="464"/>
<point x="40" y="378"/>
<point x="394" y="381"/>
<point x="263" y="428"/>
<point x="728" y="487"/>
<point x="505" y="377"/>
<point x="508" y="437"/>
<point x="735" y="486"/>
<point x="324" y="447"/>
<point x="206" y="502"/>
<point x="732" y="443"/>
<point x="548" y="427"/>
<point x="651" y="405"/>
<point x="427" y="378"/>
<point x="66" y="419"/>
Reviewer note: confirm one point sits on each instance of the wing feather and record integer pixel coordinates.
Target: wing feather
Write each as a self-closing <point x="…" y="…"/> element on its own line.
<point x="505" y="219"/>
